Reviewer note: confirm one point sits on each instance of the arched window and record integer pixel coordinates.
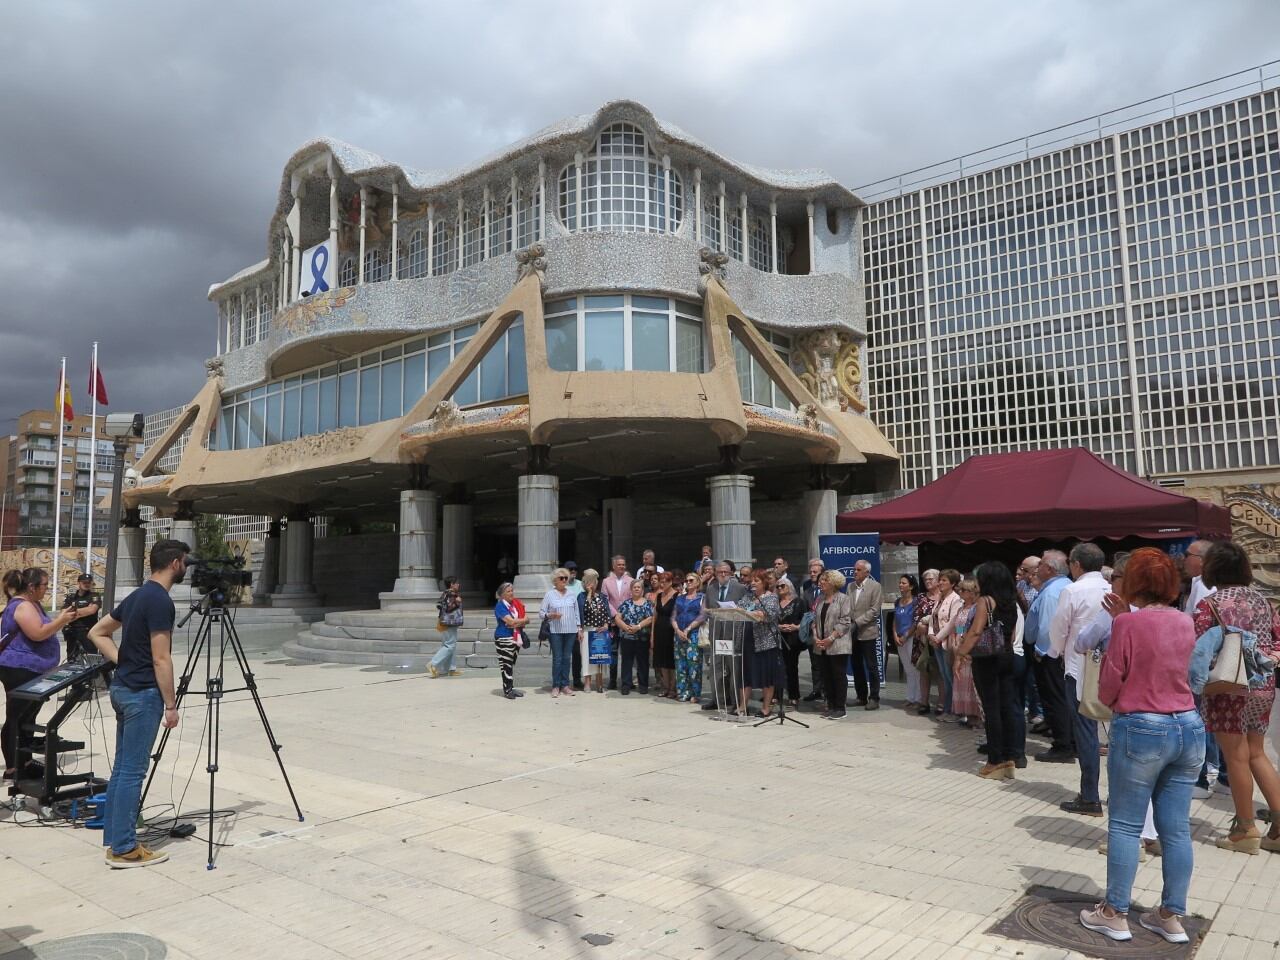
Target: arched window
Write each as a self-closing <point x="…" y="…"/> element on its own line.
<point x="416" y="256"/>
<point x="472" y="237"/>
<point x="233" y="323"/>
<point x="761" y="247"/>
<point x="712" y="235"/>
<point x="266" y="309"/>
<point x="374" y="267"/>
<point x="735" y="235"/>
<point x="443" y="259"/>
<point x="529" y="221"/>
<point x="250" y="334"/>
<point x="499" y="227"/>
<point x="347" y="275"/>
<point x="623" y="187"/>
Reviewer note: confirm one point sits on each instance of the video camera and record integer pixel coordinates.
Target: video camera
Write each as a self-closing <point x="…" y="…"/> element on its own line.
<point x="217" y="576"/>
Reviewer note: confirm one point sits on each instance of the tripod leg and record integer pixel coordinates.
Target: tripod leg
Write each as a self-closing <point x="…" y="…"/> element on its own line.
<point x="213" y="718"/>
<point x="252" y="686"/>
<point x="184" y="684"/>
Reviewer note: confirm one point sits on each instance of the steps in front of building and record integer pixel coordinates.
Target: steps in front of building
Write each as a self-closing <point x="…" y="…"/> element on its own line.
<point x="475" y="649"/>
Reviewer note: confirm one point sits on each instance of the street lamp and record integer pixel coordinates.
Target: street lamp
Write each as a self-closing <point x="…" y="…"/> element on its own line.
<point x="121" y="428"/>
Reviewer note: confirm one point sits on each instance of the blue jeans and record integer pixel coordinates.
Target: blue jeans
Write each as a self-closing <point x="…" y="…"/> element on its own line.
<point x="1086" y="734"/>
<point x="1211" y="756"/>
<point x="1153" y="757"/>
<point x="443" y="660"/>
<point x="138" y="715"/>
<point x="561" y="658"/>
<point x="944" y="664"/>
<point x="1031" y="692"/>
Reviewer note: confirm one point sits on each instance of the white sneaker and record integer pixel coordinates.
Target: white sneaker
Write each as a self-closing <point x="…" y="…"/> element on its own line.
<point x="1201" y="793"/>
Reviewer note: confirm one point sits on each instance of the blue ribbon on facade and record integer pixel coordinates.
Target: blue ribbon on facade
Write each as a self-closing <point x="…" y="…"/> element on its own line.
<point x="318" y="265"/>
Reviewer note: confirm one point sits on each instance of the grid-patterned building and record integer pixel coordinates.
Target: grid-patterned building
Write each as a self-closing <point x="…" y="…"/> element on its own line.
<point x="1117" y="293"/>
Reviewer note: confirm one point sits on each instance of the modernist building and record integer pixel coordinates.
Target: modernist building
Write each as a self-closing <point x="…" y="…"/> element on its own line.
<point x="1117" y="292"/>
<point x="30" y="474"/>
<point x="606" y="337"/>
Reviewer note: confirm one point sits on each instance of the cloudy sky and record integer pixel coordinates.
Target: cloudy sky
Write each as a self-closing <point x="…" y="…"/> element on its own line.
<point x="141" y="144"/>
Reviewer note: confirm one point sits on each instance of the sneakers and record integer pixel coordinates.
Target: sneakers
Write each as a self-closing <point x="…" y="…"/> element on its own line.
<point x="455" y="673"/>
<point x="431" y="668"/>
<point x="1201" y="792"/>
<point x="511" y="695"/>
<point x="1168" y="927"/>
<point x="873" y="705"/>
<point x="836" y="715"/>
<point x="1114" y="926"/>
<point x="139" y="856"/>
<point x="1088" y="808"/>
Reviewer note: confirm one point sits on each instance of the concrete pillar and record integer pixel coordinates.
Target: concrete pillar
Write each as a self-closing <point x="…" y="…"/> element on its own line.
<point x="417" y="587"/>
<point x="130" y="562"/>
<point x="538" y="513"/>
<point x="268" y="565"/>
<point x="731" y="517"/>
<point x="184" y="529"/>
<point x="457" y="535"/>
<point x="297" y="588"/>
<point x="818" y="512"/>
<point x="617" y="514"/>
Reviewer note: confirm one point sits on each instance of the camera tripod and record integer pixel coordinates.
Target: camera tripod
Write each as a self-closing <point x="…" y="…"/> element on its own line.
<point x="212" y="609"/>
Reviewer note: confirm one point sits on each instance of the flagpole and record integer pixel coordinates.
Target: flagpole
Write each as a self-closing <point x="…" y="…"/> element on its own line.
<point x="60" y="413"/>
<point x="93" y="460"/>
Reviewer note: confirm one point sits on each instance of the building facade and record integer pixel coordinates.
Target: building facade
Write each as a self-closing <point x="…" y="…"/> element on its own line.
<point x="550" y="354"/>
<point x="31" y="467"/>
<point x="1118" y="293"/>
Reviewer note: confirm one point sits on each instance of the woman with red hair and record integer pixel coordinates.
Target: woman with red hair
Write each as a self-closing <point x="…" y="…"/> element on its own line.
<point x="1157" y="744"/>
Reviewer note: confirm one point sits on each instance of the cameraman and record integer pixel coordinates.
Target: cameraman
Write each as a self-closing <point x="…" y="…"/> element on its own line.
<point x="86" y="603"/>
<point x="142" y="695"/>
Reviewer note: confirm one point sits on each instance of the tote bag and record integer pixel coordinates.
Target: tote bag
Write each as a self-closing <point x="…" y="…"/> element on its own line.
<point x="1229" y="674"/>
<point x="1090" y="705"/>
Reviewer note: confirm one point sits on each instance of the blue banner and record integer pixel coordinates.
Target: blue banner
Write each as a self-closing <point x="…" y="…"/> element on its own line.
<point x="840" y="551"/>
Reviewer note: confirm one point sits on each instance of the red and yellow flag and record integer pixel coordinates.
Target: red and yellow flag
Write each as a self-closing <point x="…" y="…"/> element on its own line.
<point x="62" y="400"/>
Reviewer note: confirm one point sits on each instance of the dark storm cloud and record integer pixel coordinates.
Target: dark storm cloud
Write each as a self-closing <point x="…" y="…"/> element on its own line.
<point x="141" y="144"/>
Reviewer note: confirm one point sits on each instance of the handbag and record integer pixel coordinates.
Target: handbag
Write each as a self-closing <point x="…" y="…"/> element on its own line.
<point x="1090" y="704"/>
<point x="1229" y="673"/>
<point x="990" y="641"/>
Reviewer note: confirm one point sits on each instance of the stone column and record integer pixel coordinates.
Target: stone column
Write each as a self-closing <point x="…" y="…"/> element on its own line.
<point x="538" y="513"/>
<point x="297" y="590"/>
<point x="417" y="587"/>
<point x="457" y="535"/>
<point x="184" y="529"/>
<point x="617" y="515"/>
<point x="731" y="510"/>
<point x="268" y="567"/>
<point x="130" y="562"/>
<point x="818" y="511"/>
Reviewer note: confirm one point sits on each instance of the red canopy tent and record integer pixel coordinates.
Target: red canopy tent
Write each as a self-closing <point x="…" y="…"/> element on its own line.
<point x="1042" y="494"/>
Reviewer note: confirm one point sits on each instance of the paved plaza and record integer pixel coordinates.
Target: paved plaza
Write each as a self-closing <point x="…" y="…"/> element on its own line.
<point x="443" y="821"/>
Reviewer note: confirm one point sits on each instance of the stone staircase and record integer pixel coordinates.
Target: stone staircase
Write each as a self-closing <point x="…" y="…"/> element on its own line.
<point x="270" y="618"/>
<point x="393" y="638"/>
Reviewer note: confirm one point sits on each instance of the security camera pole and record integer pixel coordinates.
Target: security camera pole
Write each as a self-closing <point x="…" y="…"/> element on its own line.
<point x="120" y="427"/>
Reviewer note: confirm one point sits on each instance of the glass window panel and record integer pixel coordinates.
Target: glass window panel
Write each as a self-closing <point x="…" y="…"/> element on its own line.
<point x="347" y="400"/>
<point x="561" y="306"/>
<point x="650" y="341"/>
<point x="370" y="379"/>
<point x="440" y="339"/>
<point x="242" y="426"/>
<point x="413" y="346"/>
<point x="310" y="416"/>
<point x="465" y="395"/>
<point x="688" y="345"/>
<point x="257" y="415"/>
<point x="517" y="371"/>
<point x="328" y="404"/>
<point x="650" y="303"/>
<point x="437" y="363"/>
<point x="562" y="342"/>
<point x="493" y="372"/>
<point x="391" y="398"/>
<point x="272" y="425"/>
<point x="742" y="361"/>
<point x="289" y="431"/>
<point x="595" y="303"/>
<point x="761" y="385"/>
<point x="226" y="427"/>
<point x="466" y="332"/>
<point x="604" y="341"/>
<point x="415" y="373"/>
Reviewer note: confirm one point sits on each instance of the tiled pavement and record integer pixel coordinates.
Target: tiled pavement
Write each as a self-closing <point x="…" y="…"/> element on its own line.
<point x="443" y="821"/>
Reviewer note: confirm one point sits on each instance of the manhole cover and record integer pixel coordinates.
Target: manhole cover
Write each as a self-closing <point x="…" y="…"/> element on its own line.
<point x="94" y="946"/>
<point x="1050" y="916"/>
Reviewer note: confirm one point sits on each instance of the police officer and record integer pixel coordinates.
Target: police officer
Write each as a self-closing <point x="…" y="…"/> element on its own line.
<point x="76" y="633"/>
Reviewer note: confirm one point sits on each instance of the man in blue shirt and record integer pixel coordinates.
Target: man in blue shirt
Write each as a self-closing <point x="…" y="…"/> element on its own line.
<point x="1051" y="681"/>
<point x="142" y="695"/>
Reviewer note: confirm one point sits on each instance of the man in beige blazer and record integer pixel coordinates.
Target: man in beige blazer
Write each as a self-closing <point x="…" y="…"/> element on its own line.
<point x="865" y="594"/>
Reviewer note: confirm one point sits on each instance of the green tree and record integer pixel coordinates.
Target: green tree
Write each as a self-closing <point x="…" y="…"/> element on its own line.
<point x="211" y="535"/>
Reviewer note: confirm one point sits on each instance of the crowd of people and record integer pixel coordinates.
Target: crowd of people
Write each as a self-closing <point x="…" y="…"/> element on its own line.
<point x="1043" y="650"/>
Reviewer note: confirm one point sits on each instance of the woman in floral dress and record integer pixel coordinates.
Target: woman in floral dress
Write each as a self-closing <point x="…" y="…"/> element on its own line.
<point x="593" y="612"/>
<point x="634" y="619"/>
<point x="1239" y="722"/>
<point x="688" y="652"/>
<point x="964" y="695"/>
